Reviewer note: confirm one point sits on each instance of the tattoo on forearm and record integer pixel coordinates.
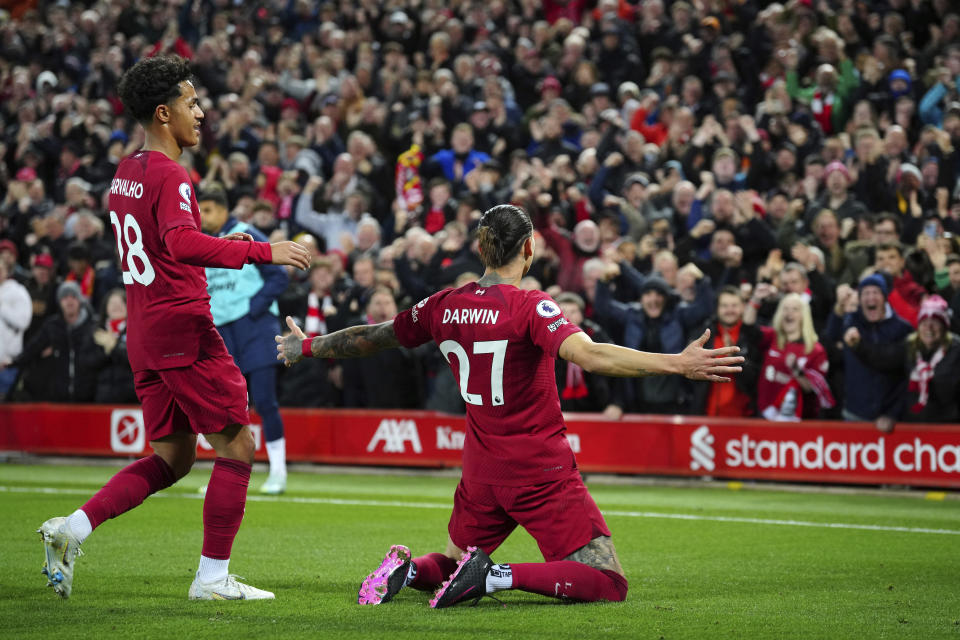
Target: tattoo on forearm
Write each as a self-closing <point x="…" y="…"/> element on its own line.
<point x="599" y="553"/>
<point x="355" y="342"/>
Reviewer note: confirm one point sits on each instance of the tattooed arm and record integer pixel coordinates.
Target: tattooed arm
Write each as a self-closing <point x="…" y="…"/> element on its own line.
<point x="352" y="342"/>
<point x="694" y="362"/>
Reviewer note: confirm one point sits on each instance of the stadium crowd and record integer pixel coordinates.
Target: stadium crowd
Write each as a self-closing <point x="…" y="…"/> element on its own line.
<point x="787" y="175"/>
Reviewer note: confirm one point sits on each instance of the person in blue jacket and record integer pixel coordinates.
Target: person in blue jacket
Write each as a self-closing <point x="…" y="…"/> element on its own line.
<point x="863" y="320"/>
<point x="244" y="307"/>
<point x="659" y="321"/>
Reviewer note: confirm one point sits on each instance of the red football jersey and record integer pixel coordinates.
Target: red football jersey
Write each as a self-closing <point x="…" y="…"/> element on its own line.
<point x="778" y="370"/>
<point x="168" y="309"/>
<point x="501" y="343"/>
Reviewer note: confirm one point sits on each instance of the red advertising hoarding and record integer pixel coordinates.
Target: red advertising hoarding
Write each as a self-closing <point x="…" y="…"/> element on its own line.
<point x="833" y="452"/>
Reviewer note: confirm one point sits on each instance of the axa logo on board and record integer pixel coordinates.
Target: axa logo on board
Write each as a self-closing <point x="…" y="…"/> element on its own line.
<point x="816" y="454"/>
<point x="394" y="435"/>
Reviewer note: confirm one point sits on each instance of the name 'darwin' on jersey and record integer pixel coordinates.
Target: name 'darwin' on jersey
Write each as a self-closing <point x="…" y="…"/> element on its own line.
<point x="128" y="188"/>
<point x="470" y="316"/>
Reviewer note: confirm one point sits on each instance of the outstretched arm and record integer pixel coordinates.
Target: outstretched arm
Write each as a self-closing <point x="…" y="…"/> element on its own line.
<point x="352" y="342"/>
<point x="694" y="362"/>
<point x="190" y="246"/>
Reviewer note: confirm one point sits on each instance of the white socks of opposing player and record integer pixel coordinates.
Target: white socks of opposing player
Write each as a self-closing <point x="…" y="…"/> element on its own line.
<point x="212" y="570"/>
<point x="499" y="578"/>
<point x="79" y="525"/>
<point x="277" y="453"/>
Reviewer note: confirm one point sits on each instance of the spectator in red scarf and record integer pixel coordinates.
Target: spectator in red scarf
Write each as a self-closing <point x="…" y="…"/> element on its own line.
<point x="80" y="269"/>
<point x="831" y="91"/>
<point x="114" y="375"/>
<point x="728" y="327"/>
<point x="931" y="361"/>
<point x="792" y="382"/>
<point x="580" y="390"/>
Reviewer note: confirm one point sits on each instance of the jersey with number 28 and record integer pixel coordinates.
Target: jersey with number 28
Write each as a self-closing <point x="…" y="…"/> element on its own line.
<point x="168" y="309"/>
<point x="501" y="342"/>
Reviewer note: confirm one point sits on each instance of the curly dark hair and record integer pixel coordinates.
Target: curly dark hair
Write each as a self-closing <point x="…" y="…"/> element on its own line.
<point x="152" y="82"/>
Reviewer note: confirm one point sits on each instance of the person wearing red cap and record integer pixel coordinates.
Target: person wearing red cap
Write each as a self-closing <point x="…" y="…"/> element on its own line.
<point x="9" y="255"/>
<point x="42" y="287"/>
<point x="930" y="358"/>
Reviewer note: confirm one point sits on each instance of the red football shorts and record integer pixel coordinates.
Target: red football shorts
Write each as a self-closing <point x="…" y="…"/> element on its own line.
<point x="202" y="398"/>
<point x="561" y="516"/>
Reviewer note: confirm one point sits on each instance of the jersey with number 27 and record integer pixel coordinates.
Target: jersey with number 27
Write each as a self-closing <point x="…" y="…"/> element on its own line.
<point x="168" y="309"/>
<point x="501" y="342"/>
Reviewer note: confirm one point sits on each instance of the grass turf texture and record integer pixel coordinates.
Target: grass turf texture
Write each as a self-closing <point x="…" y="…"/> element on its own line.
<point x="688" y="578"/>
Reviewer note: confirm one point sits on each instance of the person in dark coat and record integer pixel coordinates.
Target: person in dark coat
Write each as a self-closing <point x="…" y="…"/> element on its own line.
<point x="114" y="374"/>
<point x="727" y="327"/>
<point x="657" y="323"/>
<point x="930" y="362"/>
<point x="390" y="379"/>
<point x="862" y="326"/>
<point x="58" y="364"/>
<point x="580" y="390"/>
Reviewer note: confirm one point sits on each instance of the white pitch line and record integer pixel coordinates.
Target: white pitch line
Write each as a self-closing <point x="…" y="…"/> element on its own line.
<point x="447" y="506"/>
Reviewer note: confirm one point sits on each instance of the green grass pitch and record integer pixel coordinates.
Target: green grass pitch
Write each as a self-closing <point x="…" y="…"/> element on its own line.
<point x="701" y="561"/>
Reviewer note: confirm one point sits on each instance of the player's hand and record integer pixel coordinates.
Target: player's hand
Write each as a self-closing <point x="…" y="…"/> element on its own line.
<point x="713" y="365"/>
<point x="290" y="253"/>
<point x="290" y="347"/>
<point x="239" y="235"/>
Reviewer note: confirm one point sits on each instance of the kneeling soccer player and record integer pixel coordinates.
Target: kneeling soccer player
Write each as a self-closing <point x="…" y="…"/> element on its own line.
<point x="518" y="468"/>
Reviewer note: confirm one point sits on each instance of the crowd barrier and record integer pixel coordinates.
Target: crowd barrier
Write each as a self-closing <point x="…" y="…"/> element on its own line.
<point x="747" y="449"/>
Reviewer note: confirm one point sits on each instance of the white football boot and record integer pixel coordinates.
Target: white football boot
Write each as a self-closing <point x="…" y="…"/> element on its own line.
<point x="227" y="589"/>
<point x="61" y="549"/>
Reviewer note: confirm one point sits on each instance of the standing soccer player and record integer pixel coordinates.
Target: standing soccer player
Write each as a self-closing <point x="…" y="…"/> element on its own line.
<point x="186" y="380"/>
<point x="244" y="307"/>
<point x="518" y="468"/>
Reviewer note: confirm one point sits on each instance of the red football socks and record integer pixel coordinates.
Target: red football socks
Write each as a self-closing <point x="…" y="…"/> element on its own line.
<point x="569" y="579"/>
<point x="223" y="506"/>
<point x="129" y="488"/>
<point x="432" y="570"/>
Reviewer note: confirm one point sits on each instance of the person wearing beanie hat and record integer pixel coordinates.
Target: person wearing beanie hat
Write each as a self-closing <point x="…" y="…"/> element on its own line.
<point x="56" y="364"/>
<point x="899" y="82"/>
<point x="875" y="280"/>
<point x="931" y="366"/>
<point x="655" y="322"/>
<point x="864" y="323"/>
<point x="935" y="308"/>
<point x="70" y="289"/>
